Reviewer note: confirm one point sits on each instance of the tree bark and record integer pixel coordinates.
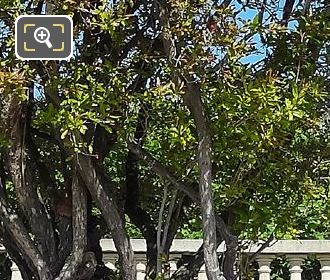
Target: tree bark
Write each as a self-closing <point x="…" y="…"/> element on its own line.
<point x="190" y="269"/>
<point x="136" y="213"/>
<point x="14" y="122"/>
<point x="20" y="236"/>
<point x="23" y="263"/>
<point x="287" y="11"/>
<point x="97" y="188"/>
<point x="194" y="102"/>
<point x="79" y="225"/>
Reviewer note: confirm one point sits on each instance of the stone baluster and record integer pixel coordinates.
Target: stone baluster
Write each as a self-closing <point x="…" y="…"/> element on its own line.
<point x="264" y="270"/>
<point x="15" y="273"/>
<point x="325" y="266"/>
<point x="111" y="265"/>
<point x="202" y="273"/>
<point x="173" y="267"/>
<point x="141" y="271"/>
<point x="295" y="264"/>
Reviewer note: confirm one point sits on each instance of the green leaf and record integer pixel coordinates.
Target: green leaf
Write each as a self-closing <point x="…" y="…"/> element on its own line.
<point x="64" y="133"/>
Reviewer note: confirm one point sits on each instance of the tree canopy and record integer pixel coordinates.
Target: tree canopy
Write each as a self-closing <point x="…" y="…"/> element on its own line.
<point x="186" y="119"/>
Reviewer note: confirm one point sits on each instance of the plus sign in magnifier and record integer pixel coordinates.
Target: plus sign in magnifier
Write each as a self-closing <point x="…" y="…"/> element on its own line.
<point x="42" y="35"/>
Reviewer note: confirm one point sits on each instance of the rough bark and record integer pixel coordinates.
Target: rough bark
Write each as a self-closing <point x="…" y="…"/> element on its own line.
<point x="14" y="123"/>
<point x="20" y="236"/>
<point x="63" y="222"/>
<point x="79" y="225"/>
<point x="194" y="102"/>
<point x="21" y="175"/>
<point x="27" y="195"/>
<point x="188" y="270"/>
<point x="97" y="186"/>
<point x="44" y="173"/>
<point x="17" y="256"/>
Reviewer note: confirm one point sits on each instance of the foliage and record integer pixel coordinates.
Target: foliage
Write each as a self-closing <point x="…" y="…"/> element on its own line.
<point x="264" y="84"/>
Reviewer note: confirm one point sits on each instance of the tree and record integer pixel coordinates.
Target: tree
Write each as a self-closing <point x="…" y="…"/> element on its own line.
<point x="161" y="88"/>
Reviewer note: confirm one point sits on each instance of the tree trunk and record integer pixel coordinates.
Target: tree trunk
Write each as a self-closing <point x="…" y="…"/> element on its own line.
<point x="195" y="105"/>
<point x="193" y="100"/>
<point x="97" y="188"/>
<point x="79" y="225"/>
<point x="21" y="237"/>
<point x="17" y="126"/>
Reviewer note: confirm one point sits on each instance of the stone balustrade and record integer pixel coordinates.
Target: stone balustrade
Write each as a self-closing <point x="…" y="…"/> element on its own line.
<point x="295" y="251"/>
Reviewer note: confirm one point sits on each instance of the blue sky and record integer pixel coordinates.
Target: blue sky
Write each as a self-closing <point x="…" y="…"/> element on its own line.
<point x="249" y="14"/>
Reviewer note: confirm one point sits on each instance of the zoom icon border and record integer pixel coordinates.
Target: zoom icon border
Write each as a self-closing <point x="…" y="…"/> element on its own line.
<point x="44" y="37"/>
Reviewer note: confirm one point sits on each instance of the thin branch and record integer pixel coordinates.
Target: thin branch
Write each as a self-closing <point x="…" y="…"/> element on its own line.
<point x="159" y="231"/>
<point x="176" y="218"/>
<point x="287" y="11"/>
<point x="169" y="218"/>
<point x="159" y="169"/>
<point x="189" y="190"/>
<point x="262" y="247"/>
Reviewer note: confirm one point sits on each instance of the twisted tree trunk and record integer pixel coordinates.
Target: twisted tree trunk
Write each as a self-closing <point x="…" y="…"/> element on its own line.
<point x="194" y="102"/>
<point x="97" y="186"/>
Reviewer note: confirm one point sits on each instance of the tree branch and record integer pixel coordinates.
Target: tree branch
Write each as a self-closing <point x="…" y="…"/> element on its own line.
<point x="193" y="100"/>
<point x="15" y="122"/>
<point x="159" y="169"/>
<point x="23" y="262"/>
<point x="162" y="171"/>
<point x="189" y="269"/>
<point x="97" y="185"/>
<point x="174" y="221"/>
<point x="136" y="213"/>
<point x="18" y="232"/>
<point x="287" y="11"/>
<point x="79" y="225"/>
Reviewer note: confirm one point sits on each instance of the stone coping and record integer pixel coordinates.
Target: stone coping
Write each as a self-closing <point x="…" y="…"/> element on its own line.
<point x="192" y="245"/>
<point x="180" y="246"/>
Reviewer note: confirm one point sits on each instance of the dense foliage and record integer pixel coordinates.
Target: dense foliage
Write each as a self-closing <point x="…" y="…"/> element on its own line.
<point x="187" y="119"/>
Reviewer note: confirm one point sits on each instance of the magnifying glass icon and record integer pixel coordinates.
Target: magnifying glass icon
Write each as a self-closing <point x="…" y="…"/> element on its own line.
<point x="41" y="35"/>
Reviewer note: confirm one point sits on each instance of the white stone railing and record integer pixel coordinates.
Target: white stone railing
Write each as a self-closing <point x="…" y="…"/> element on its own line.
<point x="296" y="251"/>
